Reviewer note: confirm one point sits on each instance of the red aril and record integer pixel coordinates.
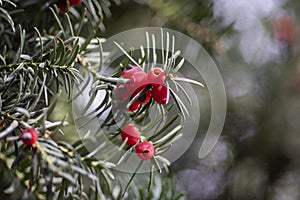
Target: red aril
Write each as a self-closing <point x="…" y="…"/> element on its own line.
<point x="156" y="76"/>
<point x="134" y="106"/>
<point x="161" y="94"/>
<point x="74" y="2"/>
<point x="29" y="136"/>
<point x="132" y="133"/>
<point x="144" y="150"/>
<point x="138" y="81"/>
<point x="127" y="73"/>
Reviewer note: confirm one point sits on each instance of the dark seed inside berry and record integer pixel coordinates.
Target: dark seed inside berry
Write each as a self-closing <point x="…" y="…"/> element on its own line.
<point x="27" y="136"/>
<point x="156" y="71"/>
<point x="143" y="98"/>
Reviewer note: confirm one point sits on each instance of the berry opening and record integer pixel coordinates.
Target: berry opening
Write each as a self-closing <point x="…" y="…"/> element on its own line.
<point x="157" y="71"/>
<point x="29" y="136"/>
<point x="146" y="152"/>
<point x="156" y="76"/>
<point x="26" y="136"/>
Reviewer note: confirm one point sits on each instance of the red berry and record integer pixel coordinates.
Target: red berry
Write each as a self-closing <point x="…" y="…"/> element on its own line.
<point x="29" y="136"/>
<point x="127" y="73"/>
<point x="138" y="81"/>
<point x="134" y="106"/>
<point x="285" y="29"/>
<point x="62" y="5"/>
<point x="144" y="150"/>
<point x="161" y="94"/>
<point x="74" y="2"/>
<point x="132" y="133"/>
<point x="156" y="76"/>
<point x="124" y="91"/>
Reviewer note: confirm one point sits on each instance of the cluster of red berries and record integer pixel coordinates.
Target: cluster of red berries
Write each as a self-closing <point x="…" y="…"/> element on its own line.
<point x="29" y="136"/>
<point x="144" y="150"/>
<point x="140" y="80"/>
<point x="63" y="5"/>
